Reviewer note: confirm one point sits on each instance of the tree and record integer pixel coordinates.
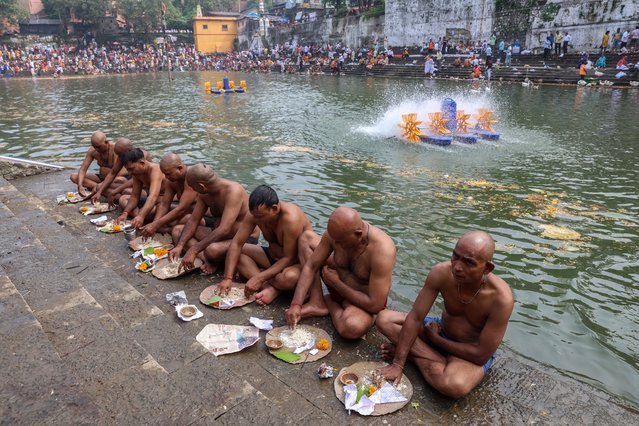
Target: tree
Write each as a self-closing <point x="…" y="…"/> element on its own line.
<point x="11" y="13"/>
<point x="141" y="15"/>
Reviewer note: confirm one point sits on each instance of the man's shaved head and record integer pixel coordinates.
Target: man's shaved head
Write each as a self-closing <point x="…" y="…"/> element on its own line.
<point x="480" y="243"/>
<point x="98" y="138"/>
<point x="123" y="145"/>
<point x="345" y="226"/>
<point x="199" y="173"/>
<point x="170" y="160"/>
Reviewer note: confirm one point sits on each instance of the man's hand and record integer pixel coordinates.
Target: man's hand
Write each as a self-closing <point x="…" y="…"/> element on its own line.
<point x="96" y="197"/>
<point x="122" y="218"/>
<point x="111" y="200"/>
<point x="149" y="230"/>
<point x="330" y="276"/>
<point x="392" y="372"/>
<point x="293" y="316"/>
<point x="81" y="191"/>
<point x="432" y="329"/>
<point x="253" y="285"/>
<point x="137" y="222"/>
<point x="175" y="253"/>
<point x="224" y="287"/>
<point x="188" y="261"/>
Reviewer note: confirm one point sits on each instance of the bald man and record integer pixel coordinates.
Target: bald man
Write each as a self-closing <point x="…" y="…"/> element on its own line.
<point x="103" y="152"/>
<point x="146" y="175"/>
<point x="122" y="146"/>
<point x="453" y="352"/>
<point x="355" y="260"/>
<point x="165" y="217"/>
<point x="228" y="203"/>
<point x="273" y="268"/>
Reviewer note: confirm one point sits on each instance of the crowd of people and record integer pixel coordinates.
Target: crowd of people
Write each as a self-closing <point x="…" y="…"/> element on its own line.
<point x="88" y="58"/>
<point x="344" y="272"/>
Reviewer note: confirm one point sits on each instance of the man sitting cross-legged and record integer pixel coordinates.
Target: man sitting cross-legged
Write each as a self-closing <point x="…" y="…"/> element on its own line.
<point x="146" y="175"/>
<point x="103" y="152"/>
<point x="358" y="275"/>
<point x="269" y="269"/>
<point x="228" y="203"/>
<point x="176" y="187"/>
<point x="453" y="352"/>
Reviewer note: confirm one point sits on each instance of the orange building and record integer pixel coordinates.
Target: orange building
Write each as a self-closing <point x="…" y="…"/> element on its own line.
<point x="216" y="32"/>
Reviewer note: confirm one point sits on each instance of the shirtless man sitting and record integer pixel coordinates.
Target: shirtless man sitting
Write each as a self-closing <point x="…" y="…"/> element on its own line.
<point x="146" y="175"/>
<point x="358" y="275"/>
<point x="455" y="352"/>
<point x="102" y="151"/>
<point x="269" y="269"/>
<point x="122" y="145"/>
<point x="228" y="203"/>
<point x="175" y="172"/>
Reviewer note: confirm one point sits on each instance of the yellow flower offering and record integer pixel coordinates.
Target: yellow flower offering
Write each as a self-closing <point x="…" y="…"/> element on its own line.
<point x="84" y="209"/>
<point x="371" y="390"/>
<point x="160" y="251"/>
<point x="117" y="228"/>
<point x="143" y="266"/>
<point x="323" y="345"/>
<point x="70" y="194"/>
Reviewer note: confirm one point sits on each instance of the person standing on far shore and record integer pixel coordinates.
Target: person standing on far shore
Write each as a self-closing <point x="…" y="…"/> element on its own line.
<point x="605" y="40"/>
<point x="567" y="40"/>
<point x="558" y="39"/>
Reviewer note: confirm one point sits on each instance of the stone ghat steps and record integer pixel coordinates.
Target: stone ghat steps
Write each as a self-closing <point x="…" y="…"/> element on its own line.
<point x="545" y="75"/>
<point x="104" y="360"/>
<point x="130" y="365"/>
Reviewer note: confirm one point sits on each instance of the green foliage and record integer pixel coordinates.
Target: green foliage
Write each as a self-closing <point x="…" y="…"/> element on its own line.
<point x="377" y="10"/>
<point x="11" y="10"/>
<point x="549" y="12"/>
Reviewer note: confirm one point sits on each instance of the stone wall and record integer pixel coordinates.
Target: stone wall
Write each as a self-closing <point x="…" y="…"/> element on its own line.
<point x="415" y="21"/>
<point x="354" y="31"/>
<point x="411" y="22"/>
<point x="585" y="20"/>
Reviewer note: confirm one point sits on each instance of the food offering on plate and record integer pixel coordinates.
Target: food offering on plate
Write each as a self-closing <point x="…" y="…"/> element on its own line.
<point x="304" y="344"/>
<point x="96" y="208"/>
<point x="145" y="266"/>
<point x="111" y="227"/>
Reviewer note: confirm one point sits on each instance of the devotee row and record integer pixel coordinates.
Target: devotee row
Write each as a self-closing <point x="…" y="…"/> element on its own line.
<point x="216" y="220"/>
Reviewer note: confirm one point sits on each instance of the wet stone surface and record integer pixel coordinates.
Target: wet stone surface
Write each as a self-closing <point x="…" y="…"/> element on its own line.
<point x="101" y="335"/>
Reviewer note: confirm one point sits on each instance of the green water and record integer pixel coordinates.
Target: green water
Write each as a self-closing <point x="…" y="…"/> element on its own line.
<point x="567" y="157"/>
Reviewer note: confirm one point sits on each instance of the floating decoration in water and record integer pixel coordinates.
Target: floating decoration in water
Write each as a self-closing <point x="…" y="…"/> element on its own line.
<point x="449" y="124"/>
<point x="484" y="126"/>
<point x="462" y="134"/>
<point x="225" y="86"/>
<point x="411" y="131"/>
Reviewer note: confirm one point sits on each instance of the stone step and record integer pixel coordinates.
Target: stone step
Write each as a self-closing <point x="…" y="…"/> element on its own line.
<point x="135" y="362"/>
<point x="36" y="383"/>
<point x="168" y="387"/>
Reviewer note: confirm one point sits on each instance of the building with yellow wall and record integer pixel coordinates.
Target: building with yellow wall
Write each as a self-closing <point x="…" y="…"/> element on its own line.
<point x="216" y="32"/>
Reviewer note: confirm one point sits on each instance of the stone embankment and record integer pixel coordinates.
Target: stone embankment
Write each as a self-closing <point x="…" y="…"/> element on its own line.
<point x="524" y="67"/>
<point x="88" y="340"/>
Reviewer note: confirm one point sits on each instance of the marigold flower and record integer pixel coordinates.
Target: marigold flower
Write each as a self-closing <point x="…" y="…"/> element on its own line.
<point x="323" y="345"/>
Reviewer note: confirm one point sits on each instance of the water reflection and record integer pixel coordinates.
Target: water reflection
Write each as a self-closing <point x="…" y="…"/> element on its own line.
<point x="567" y="159"/>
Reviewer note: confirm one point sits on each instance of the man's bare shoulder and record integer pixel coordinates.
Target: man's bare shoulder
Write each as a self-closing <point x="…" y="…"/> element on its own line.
<point x="503" y="292"/>
<point x="292" y="212"/>
<point x="440" y="275"/>
<point x="384" y="244"/>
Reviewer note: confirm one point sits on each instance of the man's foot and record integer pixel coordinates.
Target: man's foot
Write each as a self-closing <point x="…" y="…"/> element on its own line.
<point x="267" y="295"/>
<point x="208" y="268"/>
<point x="310" y="310"/>
<point x="388" y="351"/>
